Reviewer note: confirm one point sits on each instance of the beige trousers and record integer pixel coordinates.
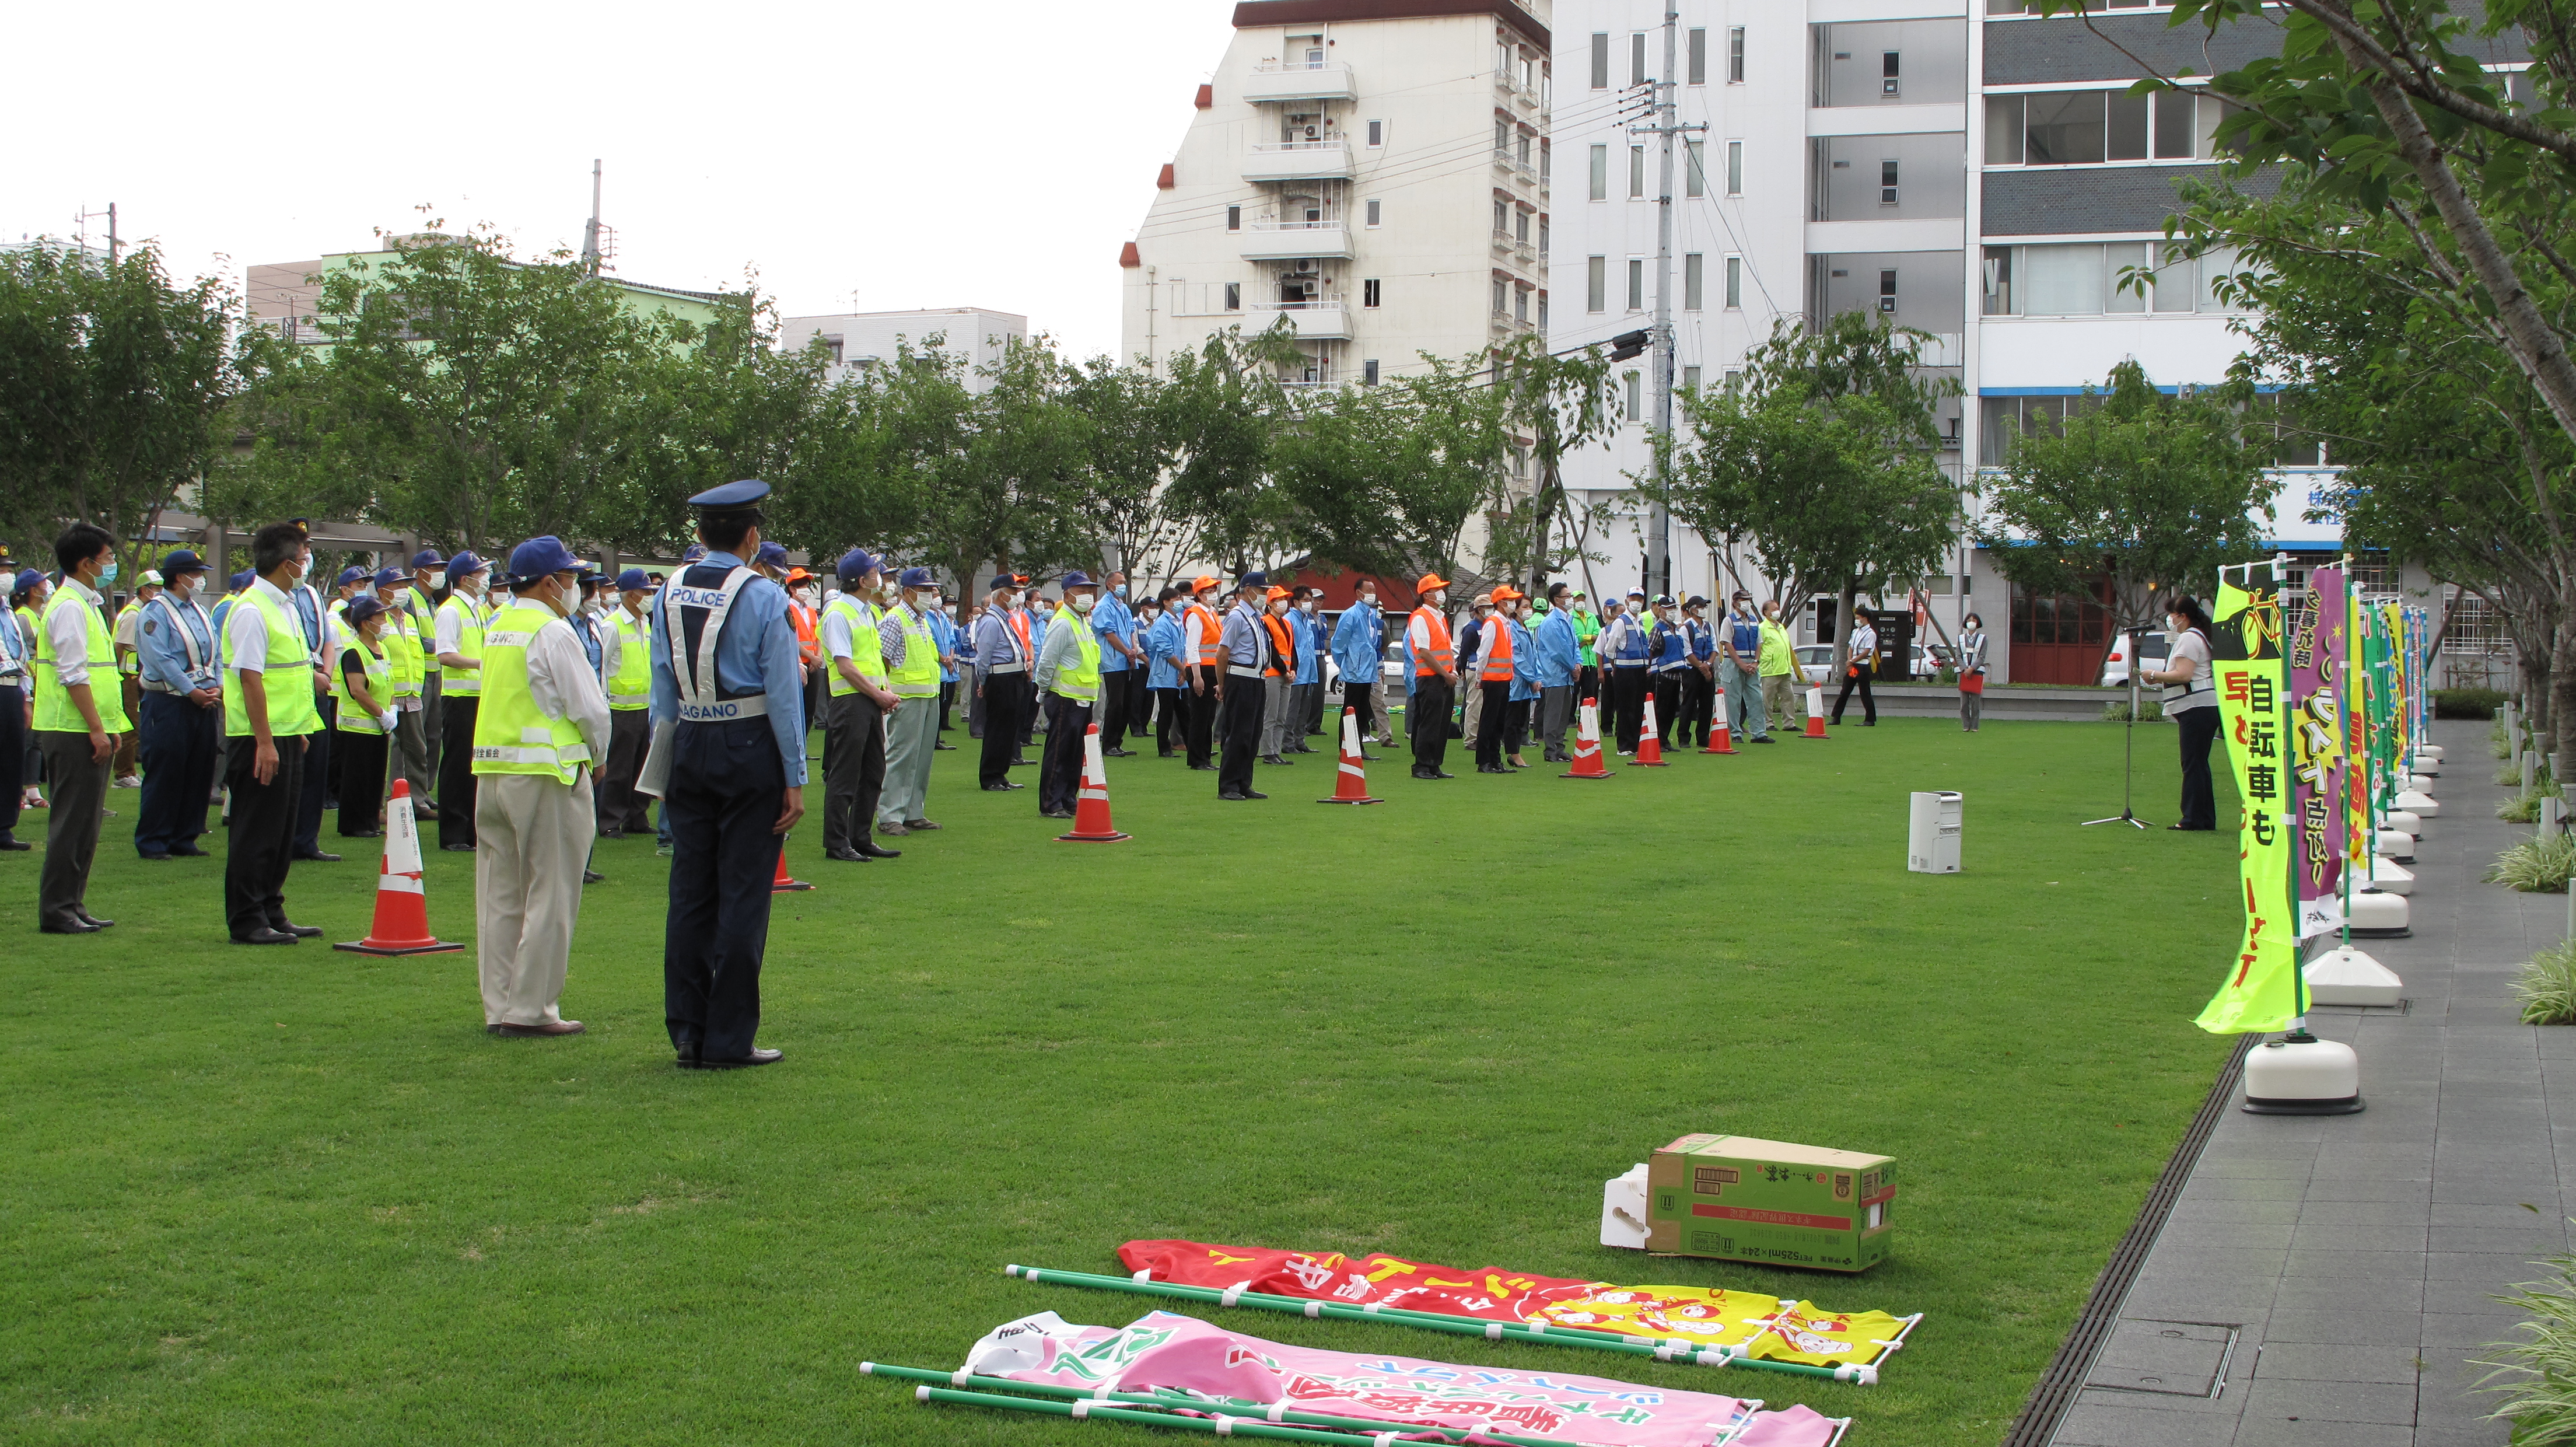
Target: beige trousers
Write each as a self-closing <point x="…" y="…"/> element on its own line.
<point x="532" y="835"/>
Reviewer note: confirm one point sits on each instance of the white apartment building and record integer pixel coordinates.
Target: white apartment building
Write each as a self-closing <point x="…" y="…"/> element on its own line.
<point x="1979" y="174"/>
<point x="1375" y="172"/>
<point x="859" y="340"/>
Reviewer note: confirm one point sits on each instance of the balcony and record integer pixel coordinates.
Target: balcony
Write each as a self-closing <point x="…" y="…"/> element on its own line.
<point x="1295" y="240"/>
<point x="1319" y="160"/>
<point x="1298" y="80"/>
<point x="1324" y="319"/>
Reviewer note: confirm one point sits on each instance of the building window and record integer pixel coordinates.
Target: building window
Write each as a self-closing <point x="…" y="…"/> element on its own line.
<point x="1502" y="218"/>
<point x="1520" y="226"/>
<point x="1542" y="236"/>
<point x="1690" y="378"/>
<point x="1370" y="211"/>
<point x="1600" y="62"/>
<point x="1695" y="168"/>
<point x="1636" y="284"/>
<point x="1887" y="290"/>
<point x="1636" y="172"/>
<point x="1520" y="303"/>
<point x="1234" y="296"/>
<point x="1369" y="292"/>
<point x="1699" y="57"/>
<point x="1503" y="139"/>
<point x="1502" y="299"/>
<point x="1596" y="284"/>
<point x="1694" y="278"/>
<point x="1735" y="56"/>
<point x="1368" y="369"/>
<point x="1234" y="218"/>
<point x="1887" y="183"/>
<point x="1735" y="168"/>
<point x="1637" y="58"/>
<point x="1377" y="133"/>
<point x="1546" y="162"/>
<point x="1542" y="311"/>
<point x="1734" y="283"/>
<point x="2086" y="127"/>
<point x="1636" y="396"/>
<point x="2099" y="278"/>
<point x="1600" y="173"/>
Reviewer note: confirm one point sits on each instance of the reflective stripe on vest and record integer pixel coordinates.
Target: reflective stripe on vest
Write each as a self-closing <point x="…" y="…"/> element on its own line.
<point x="469" y="644"/>
<point x="1282" y="647"/>
<point x="867" y="654"/>
<point x="380" y="687"/>
<point x="1080" y="681"/>
<point x="917" y="676"/>
<point x="1437" y="658"/>
<point x="1209" y="634"/>
<point x="55" y="711"/>
<point x="287" y="680"/>
<point x="701" y="697"/>
<point x="511" y="734"/>
<point x="631" y="686"/>
<point x="424" y="625"/>
<point x="401" y="639"/>
<point x="1498" y="650"/>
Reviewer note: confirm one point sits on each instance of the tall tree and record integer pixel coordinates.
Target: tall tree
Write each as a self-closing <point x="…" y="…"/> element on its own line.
<point x="1383" y="479"/>
<point x="1223" y="407"/>
<point x="1133" y="524"/>
<point x="2142" y="490"/>
<point x="116" y="389"/>
<point x="1558" y="404"/>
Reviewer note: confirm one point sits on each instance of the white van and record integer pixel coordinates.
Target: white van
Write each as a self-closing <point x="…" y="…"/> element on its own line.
<point x="2149" y="647"/>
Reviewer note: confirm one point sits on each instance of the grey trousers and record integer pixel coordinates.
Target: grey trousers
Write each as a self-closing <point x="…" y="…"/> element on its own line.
<point x="1274" y="715"/>
<point x="1555" y="709"/>
<point x="429" y="720"/>
<point x="411" y="752"/>
<point x="532" y="834"/>
<point x="1305" y="712"/>
<point x="78" y="795"/>
<point x="1744" y="702"/>
<point x="910" y="732"/>
<point x="1972" y="711"/>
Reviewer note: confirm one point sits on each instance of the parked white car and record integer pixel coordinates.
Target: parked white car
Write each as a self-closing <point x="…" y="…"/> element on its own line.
<point x="2150" y="647"/>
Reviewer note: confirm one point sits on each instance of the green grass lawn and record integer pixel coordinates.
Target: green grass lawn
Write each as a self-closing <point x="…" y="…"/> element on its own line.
<point x="266" y="1195"/>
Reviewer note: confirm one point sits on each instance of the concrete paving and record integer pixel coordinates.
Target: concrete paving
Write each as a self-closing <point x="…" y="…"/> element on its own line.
<point x="2327" y="1280"/>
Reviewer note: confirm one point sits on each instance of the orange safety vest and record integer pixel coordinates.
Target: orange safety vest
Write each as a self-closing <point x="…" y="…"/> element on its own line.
<point x="1281" y="650"/>
<point x="1431" y="662"/>
<point x="1498" y="650"/>
<point x="1208" y="634"/>
<point x="808" y="644"/>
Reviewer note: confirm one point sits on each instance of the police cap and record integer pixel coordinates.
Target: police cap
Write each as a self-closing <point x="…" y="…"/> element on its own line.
<point x="732" y="497"/>
<point x="183" y="561"/>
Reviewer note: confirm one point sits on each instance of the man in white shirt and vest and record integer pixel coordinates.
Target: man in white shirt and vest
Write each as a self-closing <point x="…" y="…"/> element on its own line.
<point x="457" y="645"/>
<point x="542" y="719"/>
<point x="630" y="709"/>
<point x="79" y="712"/>
<point x="269" y="718"/>
<point x="1068" y="679"/>
<point x="858" y="703"/>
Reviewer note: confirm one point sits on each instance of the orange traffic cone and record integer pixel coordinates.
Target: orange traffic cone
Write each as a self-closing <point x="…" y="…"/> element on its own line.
<point x="402" y="908"/>
<point x="782" y="882"/>
<point x="1587" y="744"/>
<point x="1650" y="749"/>
<point x="1720" y="739"/>
<point x="1815" y="710"/>
<point x="1350" y="786"/>
<point x="1091" y="809"/>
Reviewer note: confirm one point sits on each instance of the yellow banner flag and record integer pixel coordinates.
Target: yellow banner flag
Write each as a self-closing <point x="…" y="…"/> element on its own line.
<point x="2262" y="990"/>
<point x="1762" y="1326"/>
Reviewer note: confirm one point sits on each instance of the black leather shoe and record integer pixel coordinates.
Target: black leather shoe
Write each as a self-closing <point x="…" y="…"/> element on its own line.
<point x="1055" y="813"/>
<point x="873" y="851"/>
<point x="1371" y="758"/>
<point x="457" y="848"/>
<point x="264" y="936"/>
<point x="945" y="748"/>
<point x="592" y="876"/>
<point x="1117" y="753"/>
<point x="1002" y="788"/>
<point x="300" y="931"/>
<point x="1231" y="798"/>
<point x="1275" y="759"/>
<point x="1491" y="769"/>
<point x="685" y="1054"/>
<point x="76" y="927"/>
<point x="364" y="834"/>
<point x="17" y="845"/>
<point x="846" y="855"/>
<point x="316" y="856"/>
<point x="757" y="1057"/>
<point x="1204" y="768"/>
<point x="1022" y="763"/>
<point x="94" y="922"/>
<point x="164" y="857"/>
<point x="1158" y="753"/>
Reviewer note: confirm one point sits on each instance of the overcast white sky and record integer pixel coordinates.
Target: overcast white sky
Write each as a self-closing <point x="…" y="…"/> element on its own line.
<point x="913" y="154"/>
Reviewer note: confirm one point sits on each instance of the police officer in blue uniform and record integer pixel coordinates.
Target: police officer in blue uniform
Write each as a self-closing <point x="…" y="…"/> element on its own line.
<point x="728" y="761"/>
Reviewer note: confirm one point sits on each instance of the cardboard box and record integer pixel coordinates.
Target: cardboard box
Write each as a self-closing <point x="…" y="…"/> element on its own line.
<point x="1736" y="1198"/>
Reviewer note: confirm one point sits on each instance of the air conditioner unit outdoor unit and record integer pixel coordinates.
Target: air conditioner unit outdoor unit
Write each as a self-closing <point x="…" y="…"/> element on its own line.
<point x="1305" y="268"/>
<point x="1314" y="131"/>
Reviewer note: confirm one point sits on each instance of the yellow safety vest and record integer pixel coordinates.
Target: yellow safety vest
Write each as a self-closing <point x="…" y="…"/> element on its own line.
<point x="55" y="712"/>
<point x="918" y="675"/>
<point x="511" y="735"/>
<point x="1081" y="680"/>
<point x="380" y="686"/>
<point x="631" y="687"/>
<point x="401" y="642"/>
<point x="286" y="678"/>
<point x="424" y="625"/>
<point x="866" y="654"/>
<point x="469" y="644"/>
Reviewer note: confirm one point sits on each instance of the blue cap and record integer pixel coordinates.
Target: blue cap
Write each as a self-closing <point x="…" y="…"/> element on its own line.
<point x="26" y="580"/>
<point x="361" y="608"/>
<point x="236" y="582"/>
<point x="351" y="575"/>
<point x="1077" y="579"/>
<point x="857" y="563"/>
<point x="541" y="557"/>
<point x="464" y="565"/>
<point x="391" y="577"/>
<point x="633" y="580"/>
<point x="732" y="495"/>
<point x="1254" y="580"/>
<point x="916" y="578"/>
<point x="183" y="561"/>
<point x="773" y="554"/>
<point x="428" y="558"/>
<point x="694" y="553"/>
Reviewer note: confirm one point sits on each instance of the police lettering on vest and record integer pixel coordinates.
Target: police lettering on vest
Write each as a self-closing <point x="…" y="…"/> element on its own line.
<point x="693" y="619"/>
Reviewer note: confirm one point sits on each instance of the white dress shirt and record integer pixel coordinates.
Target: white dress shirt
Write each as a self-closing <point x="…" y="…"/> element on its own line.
<point x="560" y="680"/>
<point x="246" y="628"/>
<point x="68" y="630"/>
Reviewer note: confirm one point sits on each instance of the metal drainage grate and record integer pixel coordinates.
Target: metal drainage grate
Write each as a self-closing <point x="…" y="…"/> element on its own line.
<point x="2168" y="1358"/>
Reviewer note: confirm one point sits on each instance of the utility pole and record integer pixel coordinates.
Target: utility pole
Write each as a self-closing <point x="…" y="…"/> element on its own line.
<point x="590" y="234"/>
<point x="80" y="223"/>
<point x="1659" y="520"/>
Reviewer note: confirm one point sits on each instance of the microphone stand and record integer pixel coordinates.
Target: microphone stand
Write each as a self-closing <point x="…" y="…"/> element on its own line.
<point x="2128" y="745"/>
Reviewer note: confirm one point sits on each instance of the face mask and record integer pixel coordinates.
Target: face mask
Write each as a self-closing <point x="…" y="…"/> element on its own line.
<point x="1368" y="600"/>
<point x="1439" y="596"/>
<point x="108" y="573"/>
<point x="1084" y="604"/>
<point x="1307" y="607"/>
<point x="1120" y="590"/>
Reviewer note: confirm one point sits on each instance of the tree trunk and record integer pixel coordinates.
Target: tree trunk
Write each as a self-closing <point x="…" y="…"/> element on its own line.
<point x="2560" y="689"/>
<point x="1843" y="630"/>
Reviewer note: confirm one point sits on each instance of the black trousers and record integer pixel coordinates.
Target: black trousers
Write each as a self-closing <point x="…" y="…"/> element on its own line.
<point x="725" y="788"/>
<point x="72" y="825"/>
<point x="1241" y="727"/>
<point x="1356" y="696"/>
<point x="1170" y="719"/>
<point x="1668" y="705"/>
<point x="260" y="837"/>
<point x="1858" y="677"/>
<point x="947" y="700"/>
<point x="1587" y="684"/>
<point x="319" y="781"/>
<point x="180" y="745"/>
<point x="2197" y="726"/>
<point x="854" y="769"/>
<point x="361" y="762"/>
<point x="1007" y="702"/>
<point x="1698" y="708"/>
<point x="1060" y="766"/>
<point x="630" y="737"/>
<point x="1140" y="702"/>
<point x="1112" y="709"/>
<point x="1202" y="705"/>
<point x="1627" y="713"/>
<point x="1490" y="723"/>
<point x="456" y="769"/>
<point x="13" y="750"/>
<point x="1426" y="717"/>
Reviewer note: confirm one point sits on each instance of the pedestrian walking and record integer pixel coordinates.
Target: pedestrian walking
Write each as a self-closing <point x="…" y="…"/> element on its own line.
<point x="1120" y="657"/>
<point x="458" y="646"/>
<point x="860" y="703"/>
<point x="79" y="712"/>
<point x="1434" y="670"/>
<point x="729" y="765"/>
<point x="1860" y="665"/>
<point x="2191" y="701"/>
<point x="269" y="720"/>
<point x="913" y="663"/>
<point x="1004" y="652"/>
<point x="1972" y="675"/>
<point x="1246" y="653"/>
<point x="180" y="715"/>
<point x="1069" y="681"/>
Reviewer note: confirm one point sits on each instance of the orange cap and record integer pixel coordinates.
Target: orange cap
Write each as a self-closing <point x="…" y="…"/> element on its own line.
<point x="1276" y="593"/>
<point x="1508" y="595"/>
<point x="1429" y="582"/>
<point x="1202" y="583"/>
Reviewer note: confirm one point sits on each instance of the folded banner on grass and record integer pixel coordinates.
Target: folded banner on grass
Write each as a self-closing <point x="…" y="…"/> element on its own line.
<point x="1166" y="1353"/>
<point x="2262" y="989"/>
<point x="1758" y="1325"/>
